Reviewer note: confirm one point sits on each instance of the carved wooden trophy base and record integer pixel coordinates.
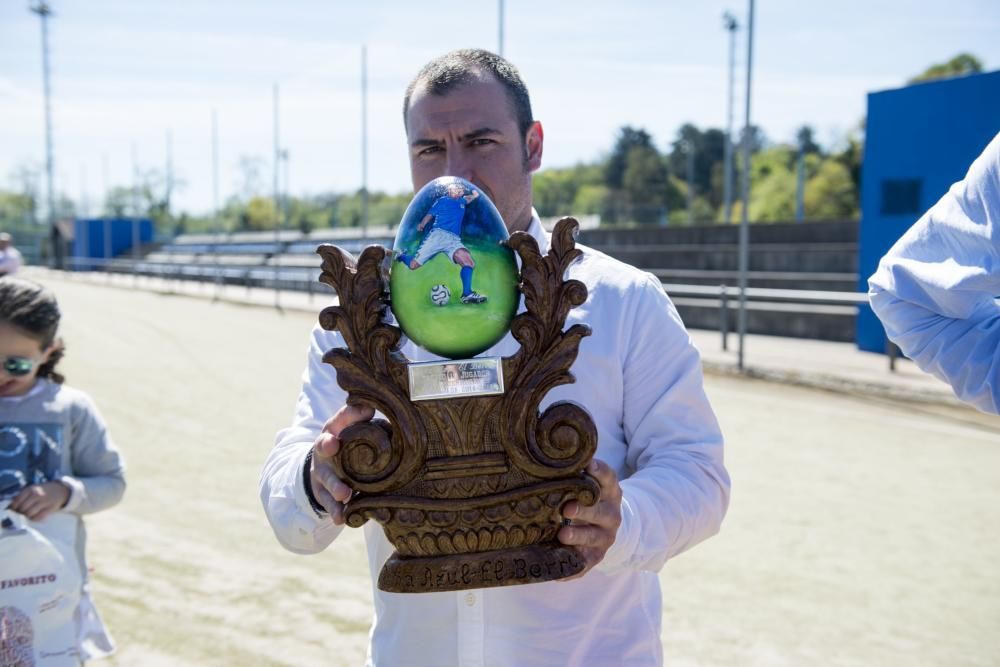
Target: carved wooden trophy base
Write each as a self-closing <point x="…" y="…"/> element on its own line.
<point x="468" y="490"/>
<point x="525" y="565"/>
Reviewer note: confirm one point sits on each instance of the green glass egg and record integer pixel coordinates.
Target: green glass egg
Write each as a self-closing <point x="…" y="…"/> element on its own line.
<point x="453" y="281"/>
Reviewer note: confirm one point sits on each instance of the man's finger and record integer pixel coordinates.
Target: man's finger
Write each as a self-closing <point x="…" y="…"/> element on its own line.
<point x="348" y="415"/>
<point x="585" y="536"/>
<point x="328" y="442"/>
<point x="605" y="476"/>
<point x="324" y="476"/>
<point x="604" y="514"/>
<point x="330" y="504"/>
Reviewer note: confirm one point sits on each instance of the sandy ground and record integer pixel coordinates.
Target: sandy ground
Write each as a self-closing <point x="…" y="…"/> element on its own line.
<point x="860" y="532"/>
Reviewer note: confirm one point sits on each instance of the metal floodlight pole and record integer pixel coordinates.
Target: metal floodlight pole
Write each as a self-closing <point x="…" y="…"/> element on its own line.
<point x="500" y="21"/>
<point x="56" y="258"/>
<point x="135" y="214"/>
<point x="689" y="155"/>
<point x="730" y="24"/>
<point x="277" y="203"/>
<point x="217" y="222"/>
<point x="105" y="213"/>
<point x="84" y="211"/>
<point x="745" y="217"/>
<point x="800" y="180"/>
<point x="168" y="173"/>
<point x="364" y="142"/>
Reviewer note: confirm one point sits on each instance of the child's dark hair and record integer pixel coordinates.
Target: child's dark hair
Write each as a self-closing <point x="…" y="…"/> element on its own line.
<point x="33" y="309"/>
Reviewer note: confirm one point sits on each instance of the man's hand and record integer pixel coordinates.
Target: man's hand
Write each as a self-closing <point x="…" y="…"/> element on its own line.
<point x="329" y="491"/>
<point x="40" y="500"/>
<point x="592" y="530"/>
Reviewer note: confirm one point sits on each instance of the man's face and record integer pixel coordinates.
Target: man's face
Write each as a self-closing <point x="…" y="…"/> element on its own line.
<point x="472" y="133"/>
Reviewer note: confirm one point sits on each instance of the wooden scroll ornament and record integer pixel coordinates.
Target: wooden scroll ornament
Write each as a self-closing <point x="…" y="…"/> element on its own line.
<point x="468" y="490"/>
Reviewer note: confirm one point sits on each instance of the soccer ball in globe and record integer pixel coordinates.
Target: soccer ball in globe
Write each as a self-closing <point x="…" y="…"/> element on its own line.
<point x="440" y="295"/>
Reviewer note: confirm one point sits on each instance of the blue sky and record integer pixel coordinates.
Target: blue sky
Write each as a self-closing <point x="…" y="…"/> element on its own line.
<point x="126" y="72"/>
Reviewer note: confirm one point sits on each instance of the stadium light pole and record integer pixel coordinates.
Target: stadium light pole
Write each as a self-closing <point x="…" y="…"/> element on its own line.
<point x="500" y="21"/>
<point x="688" y="147"/>
<point x="800" y="180"/>
<point x="731" y="26"/>
<point x="168" y="173"/>
<point x="277" y="202"/>
<point x="745" y="213"/>
<point x="135" y="214"/>
<point x="217" y="222"/>
<point x="56" y="258"/>
<point x="364" y="141"/>
<point x="105" y="212"/>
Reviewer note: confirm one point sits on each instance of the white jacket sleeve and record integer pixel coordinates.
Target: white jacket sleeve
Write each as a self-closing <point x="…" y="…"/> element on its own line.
<point x="679" y="491"/>
<point x="935" y="289"/>
<point x="282" y="491"/>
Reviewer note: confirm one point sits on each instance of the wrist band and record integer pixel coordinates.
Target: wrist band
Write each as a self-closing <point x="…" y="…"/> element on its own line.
<point x="307" y="483"/>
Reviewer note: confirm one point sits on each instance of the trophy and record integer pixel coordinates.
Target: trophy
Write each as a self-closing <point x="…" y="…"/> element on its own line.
<point x="465" y="475"/>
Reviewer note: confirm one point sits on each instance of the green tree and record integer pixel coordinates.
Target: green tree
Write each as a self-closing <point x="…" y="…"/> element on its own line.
<point x="258" y="214"/>
<point x="960" y="65"/>
<point x="644" y="184"/>
<point x="805" y="140"/>
<point x="830" y="193"/>
<point x="708" y="150"/>
<point x="629" y="139"/>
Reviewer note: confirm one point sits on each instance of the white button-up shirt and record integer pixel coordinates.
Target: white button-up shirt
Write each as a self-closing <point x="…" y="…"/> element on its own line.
<point x="639" y="376"/>
<point x="935" y="289"/>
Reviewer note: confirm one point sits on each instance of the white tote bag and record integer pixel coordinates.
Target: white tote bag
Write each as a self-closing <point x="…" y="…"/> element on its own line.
<point x="40" y="584"/>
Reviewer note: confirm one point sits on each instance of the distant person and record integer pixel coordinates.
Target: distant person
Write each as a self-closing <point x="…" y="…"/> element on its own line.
<point x="445" y="236"/>
<point x="10" y="257"/>
<point x="659" y="460"/>
<point x="56" y="457"/>
<point x="935" y="290"/>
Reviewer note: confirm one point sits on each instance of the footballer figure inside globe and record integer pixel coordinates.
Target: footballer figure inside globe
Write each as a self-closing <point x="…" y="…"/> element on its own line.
<point x="445" y="217"/>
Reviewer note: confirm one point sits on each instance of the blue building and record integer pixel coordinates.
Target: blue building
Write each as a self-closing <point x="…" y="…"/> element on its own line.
<point x="918" y="141"/>
<point x="105" y="238"/>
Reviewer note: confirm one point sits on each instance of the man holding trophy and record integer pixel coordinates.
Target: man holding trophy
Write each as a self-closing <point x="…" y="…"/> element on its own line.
<point x="659" y="454"/>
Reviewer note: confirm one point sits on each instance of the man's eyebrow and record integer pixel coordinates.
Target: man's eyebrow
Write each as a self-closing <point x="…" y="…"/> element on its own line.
<point x="474" y="134"/>
<point x="481" y="132"/>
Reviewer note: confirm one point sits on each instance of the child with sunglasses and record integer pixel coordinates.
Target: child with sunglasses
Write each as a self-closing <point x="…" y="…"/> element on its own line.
<point x="57" y="461"/>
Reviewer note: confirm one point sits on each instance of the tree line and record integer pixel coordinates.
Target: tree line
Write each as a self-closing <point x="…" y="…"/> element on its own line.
<point x="635" y="183"/>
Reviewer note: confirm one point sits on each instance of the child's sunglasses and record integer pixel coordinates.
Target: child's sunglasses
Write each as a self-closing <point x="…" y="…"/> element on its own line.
<point x="18" y="366"/>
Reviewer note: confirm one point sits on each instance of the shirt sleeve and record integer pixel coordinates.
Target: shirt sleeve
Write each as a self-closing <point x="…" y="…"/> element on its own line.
<point x="935" y="289"/>
<point x="97" y="476"/>
<point x="679" y="491"/>
<point x="298" y="527"/>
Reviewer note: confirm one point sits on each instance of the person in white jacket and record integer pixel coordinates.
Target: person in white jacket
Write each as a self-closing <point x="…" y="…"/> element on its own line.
<point x="935" y="290"/>
<point x="659" y="460"/>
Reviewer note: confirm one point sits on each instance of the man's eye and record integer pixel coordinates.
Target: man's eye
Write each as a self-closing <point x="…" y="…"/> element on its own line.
<point x="430" y="150"/>
<point x="482" y="142"/>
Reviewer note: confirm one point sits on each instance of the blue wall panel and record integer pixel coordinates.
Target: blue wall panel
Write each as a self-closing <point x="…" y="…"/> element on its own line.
<point x="921" y="137"/>
<point x="89" y="235"/>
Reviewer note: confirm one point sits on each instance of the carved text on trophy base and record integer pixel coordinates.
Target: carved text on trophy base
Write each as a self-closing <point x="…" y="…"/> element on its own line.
<point x="507" y="567"/>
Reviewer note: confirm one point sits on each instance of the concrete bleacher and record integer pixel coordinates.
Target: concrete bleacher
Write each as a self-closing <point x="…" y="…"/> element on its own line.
<point x="802" y="278"/>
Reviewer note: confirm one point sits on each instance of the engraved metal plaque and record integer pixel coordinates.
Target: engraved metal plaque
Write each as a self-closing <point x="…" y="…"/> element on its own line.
<point x="456" y="378"/>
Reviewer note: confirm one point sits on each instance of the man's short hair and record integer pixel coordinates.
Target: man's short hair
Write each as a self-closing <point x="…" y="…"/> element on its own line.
<point x="445" y="73"/>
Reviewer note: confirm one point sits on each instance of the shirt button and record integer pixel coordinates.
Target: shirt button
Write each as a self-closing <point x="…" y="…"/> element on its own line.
<point x="470" y="599"/>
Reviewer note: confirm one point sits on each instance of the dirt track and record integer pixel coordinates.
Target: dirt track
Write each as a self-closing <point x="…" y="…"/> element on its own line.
<point x="859" y="533"/>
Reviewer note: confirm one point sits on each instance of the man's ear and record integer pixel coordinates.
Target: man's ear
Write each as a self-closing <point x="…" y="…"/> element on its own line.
<point x="533" y="141"/>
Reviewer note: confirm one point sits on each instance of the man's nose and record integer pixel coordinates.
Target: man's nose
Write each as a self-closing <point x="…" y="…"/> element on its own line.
<point x="459" y="165"/>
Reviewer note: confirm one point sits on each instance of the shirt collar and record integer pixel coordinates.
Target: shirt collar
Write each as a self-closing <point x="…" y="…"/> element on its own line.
<point x="538" y="232"/>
